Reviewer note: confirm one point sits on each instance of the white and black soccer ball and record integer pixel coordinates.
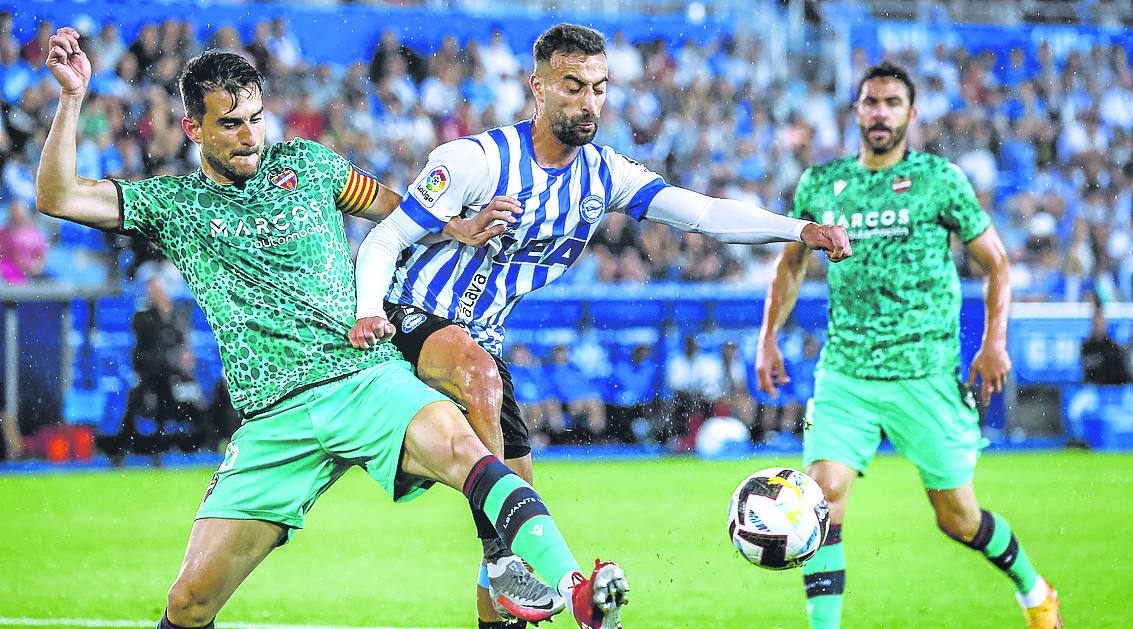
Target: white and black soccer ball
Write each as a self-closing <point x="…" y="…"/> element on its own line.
<point x="777" y="518"/>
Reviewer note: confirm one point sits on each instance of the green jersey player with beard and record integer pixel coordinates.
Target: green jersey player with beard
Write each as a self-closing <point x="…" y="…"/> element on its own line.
<point x="891" y="363"/>
<point x="257" y="232"/>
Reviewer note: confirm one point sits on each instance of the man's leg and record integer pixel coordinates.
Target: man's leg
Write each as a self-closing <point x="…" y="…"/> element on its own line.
<point x="824" y="576"/>
<point x="220" y="555"/>
<point x="959" y="516"/>
<point x="452" y="363"/>
<point x="840" y="438"/>
<point x="440" y="445"/>
<point x="939" y="432"/>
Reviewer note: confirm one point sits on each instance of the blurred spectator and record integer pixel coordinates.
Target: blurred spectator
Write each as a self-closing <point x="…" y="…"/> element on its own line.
<point x="624" y="59"/>
<point x="220" y="419"/>
<point x="736" y="393"/>
<point x="633" y="395"/>
<point x="163" y="409"/>
<point x="390" y="48"/>
<point x="543" y="413"/>
<point x="23" y="246"/>
<point x="496" y="58"/>
<point x="737" y="117"/>
<point x="695" y="380"/>
<point x="789" y="418"/>
<point x="284" y="47"/>
<point x="1103" y="360"/>
<point x="35" y="49"/>
<point x="582" y="399"/>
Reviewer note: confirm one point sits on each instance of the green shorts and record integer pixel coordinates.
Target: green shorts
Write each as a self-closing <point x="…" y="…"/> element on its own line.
<point x="282" y="459"/>
<point x="931" y="421"/>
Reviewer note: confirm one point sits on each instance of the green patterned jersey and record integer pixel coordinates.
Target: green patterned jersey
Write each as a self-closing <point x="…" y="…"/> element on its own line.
<point x="268" y="263"/>
<point x="895" y="304"/>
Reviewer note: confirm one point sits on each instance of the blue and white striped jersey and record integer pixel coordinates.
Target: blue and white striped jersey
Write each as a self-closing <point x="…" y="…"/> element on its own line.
<point x="477" y="288"/>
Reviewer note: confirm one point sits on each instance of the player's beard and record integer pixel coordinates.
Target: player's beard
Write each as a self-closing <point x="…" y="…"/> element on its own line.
<point x="896" y="135"/>
<point x="566" y="129"/>
<point x="230" y="173"/>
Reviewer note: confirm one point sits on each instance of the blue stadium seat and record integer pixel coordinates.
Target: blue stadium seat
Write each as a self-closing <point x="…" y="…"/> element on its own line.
<point x="84" y="406"/>
<point x="113" y="314"/>
<point x="540" y="314"/>
<point x="737" y="314"/>
<point x="81" y="236"/>
<point x="688" y="316"/>
<point x="621" y="313"/>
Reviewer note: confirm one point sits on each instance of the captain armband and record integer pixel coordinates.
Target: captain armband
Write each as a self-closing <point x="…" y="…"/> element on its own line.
<point x="359" y="192"/>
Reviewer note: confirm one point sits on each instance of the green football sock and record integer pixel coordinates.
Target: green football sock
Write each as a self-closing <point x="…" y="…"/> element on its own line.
<point x="521" y="518"/>
<point x="996" y="541"/>
<point x="824" y="578"/>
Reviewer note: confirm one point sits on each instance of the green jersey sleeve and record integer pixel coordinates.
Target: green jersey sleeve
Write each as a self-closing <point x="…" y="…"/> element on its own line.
<point x="801" y="204"/>
<point x="353" y="189"/>
<point x="961" y="212"/>
<point x="144" y="205"/>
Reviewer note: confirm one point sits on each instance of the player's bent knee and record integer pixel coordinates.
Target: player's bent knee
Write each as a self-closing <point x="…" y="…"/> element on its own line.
<point x="188" y="606"/>
<point x="480" y="377"/>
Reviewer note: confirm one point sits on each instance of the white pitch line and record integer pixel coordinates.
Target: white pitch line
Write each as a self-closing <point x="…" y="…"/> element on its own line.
<point x="89" y="622"/>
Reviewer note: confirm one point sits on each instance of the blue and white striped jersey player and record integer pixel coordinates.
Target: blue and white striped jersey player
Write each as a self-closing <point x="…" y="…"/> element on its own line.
<point x="448" y="302"/>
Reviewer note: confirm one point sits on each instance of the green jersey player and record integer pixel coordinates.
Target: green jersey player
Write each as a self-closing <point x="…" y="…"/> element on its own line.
<point x="257" y="233"/>
<point x="891" y="362"/>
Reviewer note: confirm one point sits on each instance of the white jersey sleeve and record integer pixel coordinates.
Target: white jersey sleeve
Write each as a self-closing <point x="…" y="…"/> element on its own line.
<point x="457" y="175"/>
<point x="633" y="185"/>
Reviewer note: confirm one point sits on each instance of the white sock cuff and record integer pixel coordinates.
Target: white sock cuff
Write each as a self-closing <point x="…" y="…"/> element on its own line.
<point x="1036" y="596"/>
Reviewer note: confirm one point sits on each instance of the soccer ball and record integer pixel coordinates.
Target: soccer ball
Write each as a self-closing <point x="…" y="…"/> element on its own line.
<point x="777" y="518"/>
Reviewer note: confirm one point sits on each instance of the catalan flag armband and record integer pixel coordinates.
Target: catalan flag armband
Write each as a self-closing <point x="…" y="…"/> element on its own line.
<point x="359" y="192"/>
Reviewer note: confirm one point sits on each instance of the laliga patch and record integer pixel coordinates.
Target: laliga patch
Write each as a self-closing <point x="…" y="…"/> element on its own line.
<point x="430" y="187"/>
<point x="901" y="185"/>
<point x="410" y="323"/>
<point x="592" y="208"/>
<point x="286" y="179"/>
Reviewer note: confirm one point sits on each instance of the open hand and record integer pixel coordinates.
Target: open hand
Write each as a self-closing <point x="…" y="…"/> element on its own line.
<point x="67" y="62"/>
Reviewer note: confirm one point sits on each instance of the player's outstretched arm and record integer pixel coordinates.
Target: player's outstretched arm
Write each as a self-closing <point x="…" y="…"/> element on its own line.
<point x="991" y="363"/>
<point x="59" y="191"/>
<point x="781" y="296"/>
<point x="733" y="221"/>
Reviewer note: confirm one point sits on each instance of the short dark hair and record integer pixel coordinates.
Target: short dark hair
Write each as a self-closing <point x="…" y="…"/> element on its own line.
<point x="887" y="70"/>
<point x="214" y="70"/>
<point x="568" y="38"/>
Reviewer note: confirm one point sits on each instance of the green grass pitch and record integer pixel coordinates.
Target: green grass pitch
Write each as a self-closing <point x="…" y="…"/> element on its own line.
<point x="106" y="545"/>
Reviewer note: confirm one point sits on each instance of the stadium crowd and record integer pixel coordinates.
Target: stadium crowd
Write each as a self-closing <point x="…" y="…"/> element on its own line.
<point x="1047" y="142"/>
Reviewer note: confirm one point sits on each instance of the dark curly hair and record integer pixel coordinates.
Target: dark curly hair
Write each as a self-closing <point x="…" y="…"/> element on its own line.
<point x="887" y="70"/>
<point x="214" y="70"/>
<point x="568" y="38"/>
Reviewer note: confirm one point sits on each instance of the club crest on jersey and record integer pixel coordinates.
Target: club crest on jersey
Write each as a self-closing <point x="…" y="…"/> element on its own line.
<point x="901" y="185"/>
<point x="839" y="186"/>
<point x="591" y="208"/>
<point x="286" y="179"/>
<point x="433" y="185"/>
<point x="410" y="323"/>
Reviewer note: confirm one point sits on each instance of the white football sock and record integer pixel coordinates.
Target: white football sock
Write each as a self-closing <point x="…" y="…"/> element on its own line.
<point x="1036" y="596"/>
